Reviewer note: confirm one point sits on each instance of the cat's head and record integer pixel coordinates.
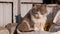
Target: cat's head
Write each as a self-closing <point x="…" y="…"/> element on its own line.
<point x="38" y="9"/>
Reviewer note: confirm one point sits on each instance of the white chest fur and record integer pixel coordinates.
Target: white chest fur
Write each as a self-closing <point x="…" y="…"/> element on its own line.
<point x="39" y="23"/>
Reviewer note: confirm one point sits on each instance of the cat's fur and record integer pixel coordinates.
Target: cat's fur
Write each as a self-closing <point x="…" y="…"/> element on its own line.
<point x="35" y="19"/>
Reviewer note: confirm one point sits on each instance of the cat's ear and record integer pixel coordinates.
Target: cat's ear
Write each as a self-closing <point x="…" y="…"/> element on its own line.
<point x="34" y="6"/>
<point x="43" y="5"/>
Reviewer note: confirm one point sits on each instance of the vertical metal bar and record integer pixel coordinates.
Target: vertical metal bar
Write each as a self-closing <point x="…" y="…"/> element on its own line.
<point x="12" y="13"/>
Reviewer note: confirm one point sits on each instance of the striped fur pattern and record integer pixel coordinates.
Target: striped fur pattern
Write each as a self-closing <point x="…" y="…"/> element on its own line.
<point x="36" y="18"/>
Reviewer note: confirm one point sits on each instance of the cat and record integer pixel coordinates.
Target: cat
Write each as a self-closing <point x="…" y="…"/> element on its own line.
<point x="35" y="19"/>
<point x="38" y="16"/>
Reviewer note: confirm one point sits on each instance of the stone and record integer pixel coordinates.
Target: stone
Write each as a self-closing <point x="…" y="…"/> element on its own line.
<point x="35" y="32"/>
<point x="54" y="28"/>
<point x="11" y="27"/>
<point x="4" y="30"/>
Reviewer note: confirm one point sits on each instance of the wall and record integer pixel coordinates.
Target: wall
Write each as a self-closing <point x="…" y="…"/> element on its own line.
<point x="15" y="7"/>
<point x="39" y="1"/>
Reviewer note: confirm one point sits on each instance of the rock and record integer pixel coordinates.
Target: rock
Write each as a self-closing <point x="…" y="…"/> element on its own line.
<point x="11" y="27"/>
<point x="35" y="32"/>
<point x="54" y="28"/>
<point x="4" y="30"/>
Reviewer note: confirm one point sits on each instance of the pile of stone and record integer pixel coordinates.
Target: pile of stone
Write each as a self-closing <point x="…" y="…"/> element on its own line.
<point x="11" y="27"/>
<point x="4" y="30"/>
<point x="8" y="29"/>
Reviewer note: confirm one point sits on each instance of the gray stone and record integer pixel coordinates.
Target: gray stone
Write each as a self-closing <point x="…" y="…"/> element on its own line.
<point x="54" y="28"/>
<point x="4" y="30"/>
<point x="35" y="32"/>
<point x="11" y="27"/>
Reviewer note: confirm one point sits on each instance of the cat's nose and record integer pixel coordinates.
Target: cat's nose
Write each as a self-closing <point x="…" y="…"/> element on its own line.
<point x="36" y="13"/>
